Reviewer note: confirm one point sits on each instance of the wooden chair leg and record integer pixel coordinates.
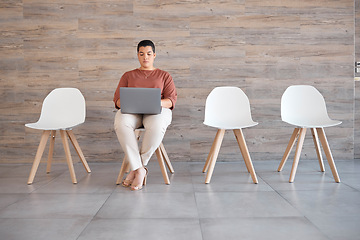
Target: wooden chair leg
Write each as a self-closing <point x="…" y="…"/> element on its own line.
<point x="241" y="150"/>
<point x="123" y="169"/>
<point x="78" y="149"/>
<point x="51" y="151"/>
<point x="297" y="154"/>
<point x="214" y="154"/>
<point x="162" y="165"/>
<point x="242" y="144"/>
<point x="210" y="155"/>
<point x="317" y="148"/>
<point x="166" y="158"/>
<point x="328" y="154"/>
<point x="68" y="156"/>
<point x="39" y="153"/>
<point x="290" y="145"/>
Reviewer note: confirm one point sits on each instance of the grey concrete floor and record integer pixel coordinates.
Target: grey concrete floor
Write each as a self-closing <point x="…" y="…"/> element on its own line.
<point x="230" y="207"/>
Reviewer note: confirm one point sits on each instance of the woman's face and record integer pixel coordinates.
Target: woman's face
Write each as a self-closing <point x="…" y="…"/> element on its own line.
<point x="146" y="58"/>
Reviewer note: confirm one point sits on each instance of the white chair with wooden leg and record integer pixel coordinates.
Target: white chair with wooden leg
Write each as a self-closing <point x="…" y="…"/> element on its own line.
<point x="161" y="155"/>
<point x="62" y="109"/>
<point x="228" y="108"/>
<point x="304" y="107"/>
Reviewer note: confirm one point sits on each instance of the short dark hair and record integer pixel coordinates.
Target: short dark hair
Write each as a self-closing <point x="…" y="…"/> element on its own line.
<point x="145" y="43"/>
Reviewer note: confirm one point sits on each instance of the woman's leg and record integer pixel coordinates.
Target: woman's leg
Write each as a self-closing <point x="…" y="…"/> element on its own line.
<point x="155" y="128"/>
<point x="124" y="126"/>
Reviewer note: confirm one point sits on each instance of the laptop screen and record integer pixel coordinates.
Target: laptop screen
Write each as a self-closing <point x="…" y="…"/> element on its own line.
<point x="140" y="100"/>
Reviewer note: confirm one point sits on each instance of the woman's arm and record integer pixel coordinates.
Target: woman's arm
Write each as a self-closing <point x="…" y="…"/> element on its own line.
<point x="165" y="103"/>
<point x="118" y="103"/>
<point x="122" y="83"/>
<point x="169" y="91"/>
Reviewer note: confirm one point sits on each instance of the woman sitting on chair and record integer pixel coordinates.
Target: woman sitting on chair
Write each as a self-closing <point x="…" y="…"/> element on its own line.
<point x="147" y="76"/>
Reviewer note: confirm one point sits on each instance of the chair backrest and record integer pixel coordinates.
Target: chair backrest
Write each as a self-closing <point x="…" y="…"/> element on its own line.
<point x="304" y="106"/>
<point x="228" y="108"/>
<point x="63" y="108"/>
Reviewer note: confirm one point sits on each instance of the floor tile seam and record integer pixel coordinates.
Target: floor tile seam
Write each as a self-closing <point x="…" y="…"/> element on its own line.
<point x="286" y="200"/>
<point x="201" y="229"/>
<point x="67" y="193"/>
<point x="46" y="184"/>
<point x="15" y="193"/>
<point x="298" y="171"/>
<point x="242" y="191"/>
<point x="82" y="178"/>
<point x="44" y="218"/>
<point x="196" y="204"/>
<point x="15" y="164"/>
<point x="25" y="177"/>
<point x="74" y="193"/>
<point x="234" y="191"/>
<point x="294" y="206"/>
<point x="317" y="190"/>
<point x="355" y="189"/>
<point x="270" y="218"/>
<point x="145" y="191"/>
<point x="317" y="228"/>
<point x="266" y="183"/>
<point x="94" y="215"/>
<point x="97" y="163"/>
<point x="299" y="209"/>
<point x="256" y="217"/>
<point x="144" y="218"/>
<point x="194" y="194"/>
<point x="17" y="201"/>
<point x="155" y="191"/>
<point x="272" y="173"/>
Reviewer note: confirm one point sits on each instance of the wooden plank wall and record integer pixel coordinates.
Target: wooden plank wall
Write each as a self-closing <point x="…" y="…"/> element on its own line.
<point x="260" y="46"/>
<point x="357" y="82"/>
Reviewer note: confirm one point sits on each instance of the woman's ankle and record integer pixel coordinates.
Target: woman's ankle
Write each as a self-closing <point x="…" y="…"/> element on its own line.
<point x="139" y="175"/>
<point x="141" y="170"/>
<point x="131" y="175"/>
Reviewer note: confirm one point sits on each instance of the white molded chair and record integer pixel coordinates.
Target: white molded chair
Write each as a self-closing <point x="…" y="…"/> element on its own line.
<point x="304" y="107"/>
<point x="62" y="109"/>
<point x="228" y="108"/>
<point x="161" y="156"/>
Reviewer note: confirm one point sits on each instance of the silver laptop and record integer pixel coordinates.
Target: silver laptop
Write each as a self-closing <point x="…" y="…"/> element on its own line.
<point x="140" y="100"/>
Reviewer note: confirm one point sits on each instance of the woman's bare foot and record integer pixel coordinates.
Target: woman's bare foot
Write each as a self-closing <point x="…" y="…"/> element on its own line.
<point x="129" y="179"/>
<point x="140" y="179"/>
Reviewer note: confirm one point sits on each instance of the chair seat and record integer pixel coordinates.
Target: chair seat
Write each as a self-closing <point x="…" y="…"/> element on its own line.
<point x="231" y="126"/>
<point x="51" y="125"/>
<point x="315" y="124"/>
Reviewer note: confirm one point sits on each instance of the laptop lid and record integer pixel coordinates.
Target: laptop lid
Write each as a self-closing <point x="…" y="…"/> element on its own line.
<point x="140" y="100"/>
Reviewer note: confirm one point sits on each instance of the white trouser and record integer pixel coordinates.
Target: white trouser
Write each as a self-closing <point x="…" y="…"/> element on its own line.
<point x="155" y="127"/>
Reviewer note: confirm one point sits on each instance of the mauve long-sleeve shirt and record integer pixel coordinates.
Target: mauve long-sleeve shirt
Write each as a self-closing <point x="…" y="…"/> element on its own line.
<point x="148" y="79"/>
